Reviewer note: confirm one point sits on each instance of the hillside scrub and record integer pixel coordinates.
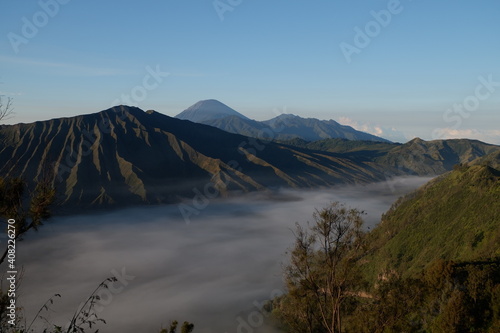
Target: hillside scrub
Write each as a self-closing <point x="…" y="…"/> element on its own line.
<point x="432" y="265"/>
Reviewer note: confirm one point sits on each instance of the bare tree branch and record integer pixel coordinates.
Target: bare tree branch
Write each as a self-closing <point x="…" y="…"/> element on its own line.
<point x="6" y="108"/>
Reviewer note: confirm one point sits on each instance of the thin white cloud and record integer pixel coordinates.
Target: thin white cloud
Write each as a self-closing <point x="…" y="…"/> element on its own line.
<point x="389" y="133"/>
<point x="69" y="69"/>
<point x="489" y="136"/>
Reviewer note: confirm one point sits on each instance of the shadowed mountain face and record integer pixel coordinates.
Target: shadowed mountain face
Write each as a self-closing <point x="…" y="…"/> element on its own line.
<point x="127" y="156"/>
<point x="282" y="127"/>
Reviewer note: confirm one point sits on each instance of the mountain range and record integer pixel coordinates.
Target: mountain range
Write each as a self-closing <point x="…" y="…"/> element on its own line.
<point x="124" y="156"/>
<point x="431" y="264"/>
<point x="282" y="127"/>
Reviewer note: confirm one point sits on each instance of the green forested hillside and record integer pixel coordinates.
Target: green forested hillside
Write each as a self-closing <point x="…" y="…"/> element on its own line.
<point x="454" y="217"/>
<point x="432" y="265"/>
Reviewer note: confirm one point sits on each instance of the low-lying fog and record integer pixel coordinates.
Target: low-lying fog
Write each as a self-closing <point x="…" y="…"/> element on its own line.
<point x="213" y="271"/>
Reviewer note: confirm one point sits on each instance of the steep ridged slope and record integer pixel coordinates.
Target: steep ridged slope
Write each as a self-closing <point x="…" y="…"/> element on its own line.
<point x="124" y="155"/>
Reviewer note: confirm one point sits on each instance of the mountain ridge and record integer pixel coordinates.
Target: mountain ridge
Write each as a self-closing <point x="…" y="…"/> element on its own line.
<point x="124" y="155"/>
<point x="282" y="127"/>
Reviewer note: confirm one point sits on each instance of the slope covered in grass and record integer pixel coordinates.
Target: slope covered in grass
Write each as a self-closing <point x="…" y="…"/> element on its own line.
<point x="454" y="217"/>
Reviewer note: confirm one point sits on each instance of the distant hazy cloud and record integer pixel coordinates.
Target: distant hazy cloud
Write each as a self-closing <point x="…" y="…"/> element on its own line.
<point x="389" y="133"/>
<point x="488" y="136"/>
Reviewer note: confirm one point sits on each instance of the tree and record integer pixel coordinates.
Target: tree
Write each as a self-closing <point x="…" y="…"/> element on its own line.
<point x="395" y="306"/>
<point x="186" y="327"/>
<point x="323" y="272"/>
<point x="26" y="210"/>
<point x="6" y="109"/>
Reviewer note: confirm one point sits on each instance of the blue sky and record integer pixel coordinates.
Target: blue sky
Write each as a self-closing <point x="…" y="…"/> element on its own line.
<point x="261" y="57"/>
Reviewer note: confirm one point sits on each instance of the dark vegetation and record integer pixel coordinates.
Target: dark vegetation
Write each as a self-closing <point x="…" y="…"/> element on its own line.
<point x="6" y="107"/>
<point x="185" y="328"/>
<point x="432" y="265"/>
<point x="85" y="318"/>
<point x="28" y="209"/>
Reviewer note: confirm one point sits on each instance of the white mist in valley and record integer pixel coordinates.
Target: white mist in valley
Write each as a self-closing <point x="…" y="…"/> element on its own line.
<point x="215" y="271"/>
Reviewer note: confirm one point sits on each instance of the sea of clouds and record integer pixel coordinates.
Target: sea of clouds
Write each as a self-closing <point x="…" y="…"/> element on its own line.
<point x="215" y="271"/>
